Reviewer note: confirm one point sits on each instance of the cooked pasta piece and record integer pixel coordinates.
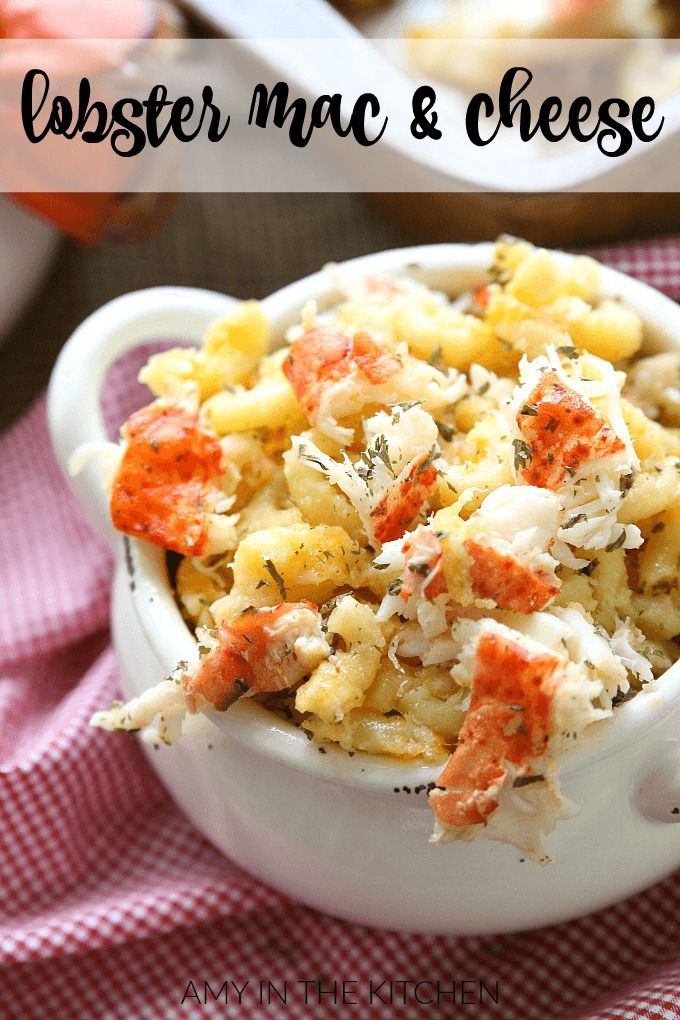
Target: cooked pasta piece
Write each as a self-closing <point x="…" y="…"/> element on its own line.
<point x="338" y="685"/>
<point x="231" y="351"/>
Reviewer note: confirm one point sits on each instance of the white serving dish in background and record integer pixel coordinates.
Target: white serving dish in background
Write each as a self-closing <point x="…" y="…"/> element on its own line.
<point x="341" y="834"/>
<point x="379" y="63"/>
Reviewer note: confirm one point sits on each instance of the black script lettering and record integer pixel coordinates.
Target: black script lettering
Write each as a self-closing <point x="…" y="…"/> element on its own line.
<point x="127" y="130"/>
<point x="60" y="115"/>
<point x="423" y="124"/>
<point x="613" y="129"/>
<point x="128" y="125"/>
<point x="481" y="102"/>
<point x="85" y="111"/>
<point x="579" y="112"/>
<point x="643" y="110"/>
<point x="613" y="136"/>
<point x="276" y="104"/>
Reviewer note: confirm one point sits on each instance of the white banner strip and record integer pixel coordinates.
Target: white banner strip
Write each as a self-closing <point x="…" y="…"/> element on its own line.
<point x="344" y="114"/>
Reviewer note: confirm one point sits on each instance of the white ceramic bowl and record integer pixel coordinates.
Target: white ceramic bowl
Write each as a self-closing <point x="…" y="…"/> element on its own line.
<point x="350" y="835"/>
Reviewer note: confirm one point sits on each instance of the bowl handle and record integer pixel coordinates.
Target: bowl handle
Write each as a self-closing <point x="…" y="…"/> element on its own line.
<point x="657" y="795"/>
<point x="176" y="314"/>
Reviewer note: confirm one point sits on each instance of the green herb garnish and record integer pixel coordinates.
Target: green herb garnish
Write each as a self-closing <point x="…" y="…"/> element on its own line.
<point x="276" y="578"/>
<point x="523" y="454"/>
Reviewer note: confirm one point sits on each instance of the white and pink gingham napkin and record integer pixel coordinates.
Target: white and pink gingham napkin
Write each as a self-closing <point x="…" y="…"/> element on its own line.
<point x="111" y="903"/>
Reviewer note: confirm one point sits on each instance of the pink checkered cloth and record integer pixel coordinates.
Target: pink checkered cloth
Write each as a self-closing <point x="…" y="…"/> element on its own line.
<point x="110" y="902"/>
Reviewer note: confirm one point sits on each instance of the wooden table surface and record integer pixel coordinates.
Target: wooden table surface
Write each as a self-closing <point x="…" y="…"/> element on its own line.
<point x="244" y="245"/>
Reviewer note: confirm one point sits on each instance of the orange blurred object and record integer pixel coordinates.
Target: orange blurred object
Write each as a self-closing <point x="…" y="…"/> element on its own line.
<point x="73" y="19"/>
<point x="90" y="217"/>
